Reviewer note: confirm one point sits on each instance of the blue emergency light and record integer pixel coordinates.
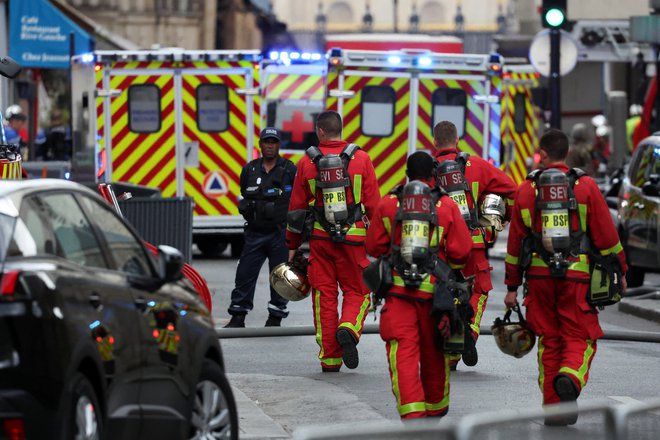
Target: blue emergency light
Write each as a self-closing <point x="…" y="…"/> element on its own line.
<point x="87" y="58"/>
<point x="394" y="59"/>
<point x="424" y="61"/>
<point x="293" y="57"/>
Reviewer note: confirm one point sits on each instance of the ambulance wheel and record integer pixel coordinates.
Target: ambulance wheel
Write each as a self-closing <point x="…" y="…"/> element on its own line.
<point x="237" y="245"/>
<point x="211" y="247"/>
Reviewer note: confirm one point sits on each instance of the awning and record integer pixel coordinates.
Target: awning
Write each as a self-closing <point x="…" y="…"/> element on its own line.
<point x="39" y="35"/>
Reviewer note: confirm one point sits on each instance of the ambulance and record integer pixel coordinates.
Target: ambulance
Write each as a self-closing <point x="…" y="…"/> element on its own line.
<point x="186" y="122"/>
<point x="183" y="122"/>
<point x="391" y="100"/>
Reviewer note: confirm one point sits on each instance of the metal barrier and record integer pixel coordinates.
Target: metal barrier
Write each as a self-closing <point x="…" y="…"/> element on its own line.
<point x="166" y="220"/>
<point x="615" y="426"/>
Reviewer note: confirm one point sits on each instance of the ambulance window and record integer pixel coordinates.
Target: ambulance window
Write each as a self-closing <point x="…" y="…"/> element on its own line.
<point x="144" y="108"/>
<point x="377" y="110"/>
<point x="212" y="107"/>
<point x="519" y="104"/>
<point x="449" y="105"/>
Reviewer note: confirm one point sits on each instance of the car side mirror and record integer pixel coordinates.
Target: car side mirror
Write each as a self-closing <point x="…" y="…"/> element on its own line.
<point x="651" y="189"/>
<point x="171" y="263"/>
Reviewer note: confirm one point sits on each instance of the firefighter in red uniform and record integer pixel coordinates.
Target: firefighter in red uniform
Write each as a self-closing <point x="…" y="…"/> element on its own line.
<point x="336" y="184"/>
<point x="480" y="178"/>
<point x="560" y="226"/>
<point x="418" y="368"/>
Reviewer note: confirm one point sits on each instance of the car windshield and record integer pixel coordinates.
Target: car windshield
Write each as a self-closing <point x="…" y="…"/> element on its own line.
<point x="7" y="224"/>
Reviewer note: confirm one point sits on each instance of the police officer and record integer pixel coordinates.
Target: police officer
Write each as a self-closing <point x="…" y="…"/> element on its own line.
<point x="559" y="212"/>
<point x="419" y="372"/>
<point x="266" y="189"/>
<point x="14" y="123"/>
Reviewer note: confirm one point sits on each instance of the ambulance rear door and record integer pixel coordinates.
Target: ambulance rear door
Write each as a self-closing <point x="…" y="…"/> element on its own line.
<point x="292" y="96"/>
<point x="374" y="100"/>
<point x="520" y="121"/>
<point x="217" y="135"/>
<point x="457" y="89"/>
<point x="137" y="123"/>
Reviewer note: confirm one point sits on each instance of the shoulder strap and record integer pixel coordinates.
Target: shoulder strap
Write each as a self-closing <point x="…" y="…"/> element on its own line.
<point x="534" y="175"/>
<point x="314" y="153"/>
<point x="462" y="160"/>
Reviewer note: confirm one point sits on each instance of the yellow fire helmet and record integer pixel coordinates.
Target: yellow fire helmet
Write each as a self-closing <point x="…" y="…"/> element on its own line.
<point x="289" y="282"/>
<point x="513" y="338"/>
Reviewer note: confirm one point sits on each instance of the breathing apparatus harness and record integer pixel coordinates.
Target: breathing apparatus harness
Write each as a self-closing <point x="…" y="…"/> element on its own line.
<point x="450" y="175"/>
<point x="560" y="238"/>
<point x="337" y="215"/>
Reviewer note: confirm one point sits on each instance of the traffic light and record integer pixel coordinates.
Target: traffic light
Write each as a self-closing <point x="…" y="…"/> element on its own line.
<point x="553" y="13"/>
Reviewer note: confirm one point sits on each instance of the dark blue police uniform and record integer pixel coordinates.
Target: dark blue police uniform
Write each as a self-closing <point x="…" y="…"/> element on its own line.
<point x="264" y="206"/>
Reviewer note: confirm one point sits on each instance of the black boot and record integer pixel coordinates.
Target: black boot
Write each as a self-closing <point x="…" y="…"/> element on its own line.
<point x="273" y="321"/>
<point x="348" y="346"/>
<point x="236" y="321"/>
<point x="568" y="394"/>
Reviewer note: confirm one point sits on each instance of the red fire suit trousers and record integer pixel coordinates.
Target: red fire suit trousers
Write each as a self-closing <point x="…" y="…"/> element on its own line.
<point x="418" y="368"/>
<point x="334" y="266"/>
<point x="567" y="327"/>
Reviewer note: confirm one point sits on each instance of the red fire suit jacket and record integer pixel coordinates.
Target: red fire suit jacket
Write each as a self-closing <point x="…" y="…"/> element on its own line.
<point x="595" y="221"/>
<point x="452" y="234"/>
<point x="305" y="194"/>
<point x="484" y="179"/>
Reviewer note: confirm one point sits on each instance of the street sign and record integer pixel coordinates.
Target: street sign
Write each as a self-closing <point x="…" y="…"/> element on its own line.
<point x="539" y="53"/>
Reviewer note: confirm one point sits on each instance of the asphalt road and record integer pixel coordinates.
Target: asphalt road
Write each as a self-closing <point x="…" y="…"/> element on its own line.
<point x="280" y="387"/>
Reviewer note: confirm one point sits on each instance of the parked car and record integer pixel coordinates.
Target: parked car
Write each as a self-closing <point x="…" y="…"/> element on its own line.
<point x="99" y="338"/>
<point x="639" y="211"/>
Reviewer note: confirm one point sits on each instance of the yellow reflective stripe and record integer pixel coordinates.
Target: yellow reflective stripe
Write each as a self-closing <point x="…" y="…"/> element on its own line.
<point x="317" y="319"/>
<point x="581" y="373"/>
<point x="526" y="217"/>
<point x="435" y="237"/>
<point x="388" y="225"/>
<point x="582" y="209"/>
<point x="540" y="362"/>
<point x="479" y="313"/>
<point x="509" y="202"/>
<point x="478" y="239"/>
<point x="312" y="185"/>
<point x="444" y="403"/>
<point x="511" y="259"/>
<point x="411" y="407"/>
<point x="394" y="346"/>
<point x="332" y="361"/>
<point x="613" y="250"/>
<point x="357" y="327"/>
<point x="582" y="265"/>
<point x="456" y="265"/>
<point x="475" y="191"/>
<point x="426" y="286"/>
<point x="357" y="188"/>
<point x="354" y="231"/>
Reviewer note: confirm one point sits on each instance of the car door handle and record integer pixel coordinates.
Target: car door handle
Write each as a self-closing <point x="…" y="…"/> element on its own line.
<point x="95" y="300"/>
<point x="141" y="304"/>
<point x="639" y="205"/>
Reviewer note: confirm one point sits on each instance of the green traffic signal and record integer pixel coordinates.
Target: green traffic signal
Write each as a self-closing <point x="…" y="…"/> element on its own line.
<point x="554" y="17"/>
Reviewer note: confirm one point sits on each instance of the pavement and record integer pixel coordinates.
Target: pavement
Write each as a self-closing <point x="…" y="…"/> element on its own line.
<point x="643" y="302"/>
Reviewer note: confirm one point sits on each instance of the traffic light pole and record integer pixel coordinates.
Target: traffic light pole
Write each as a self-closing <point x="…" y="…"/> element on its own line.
<point x="555" y="80"/>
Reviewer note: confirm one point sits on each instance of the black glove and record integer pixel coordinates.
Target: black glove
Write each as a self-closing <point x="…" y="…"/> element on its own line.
<point x="300" y="262"/>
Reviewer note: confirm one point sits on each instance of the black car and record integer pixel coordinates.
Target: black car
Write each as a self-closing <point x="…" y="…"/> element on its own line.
<point x="99" y="339"/>
<point x="639" y="211"/>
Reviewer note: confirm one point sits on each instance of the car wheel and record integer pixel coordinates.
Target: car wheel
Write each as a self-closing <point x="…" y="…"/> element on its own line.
<point x="214" y="414"/>
<point x="211" y="247"/>
<point x="82" y="418"/>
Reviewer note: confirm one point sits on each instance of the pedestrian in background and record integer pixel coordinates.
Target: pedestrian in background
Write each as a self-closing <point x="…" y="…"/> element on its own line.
<point x="579" y="152"/>
<point x="549" y="253"/>
<point x="341" y="194"/>
<point x="266" y="185"/>
<point x="57" y="145"/>
<point x="413" y="336"/>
